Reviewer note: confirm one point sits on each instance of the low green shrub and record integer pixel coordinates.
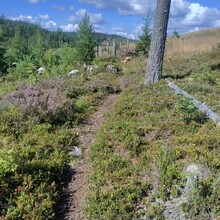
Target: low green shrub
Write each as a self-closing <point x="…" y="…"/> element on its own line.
<point x="189" y="112"/>
<point x="150" y="136"/>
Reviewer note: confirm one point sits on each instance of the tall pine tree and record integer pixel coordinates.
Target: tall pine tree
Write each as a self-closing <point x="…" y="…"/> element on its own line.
<point x="85" y="41"/>
<point x="157" y="47"/>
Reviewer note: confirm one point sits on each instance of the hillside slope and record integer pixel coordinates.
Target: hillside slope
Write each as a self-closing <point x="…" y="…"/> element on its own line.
<point x="156" y="156"/>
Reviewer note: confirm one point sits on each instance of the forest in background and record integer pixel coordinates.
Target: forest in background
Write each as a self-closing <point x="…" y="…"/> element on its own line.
<point x="29" y="44"/>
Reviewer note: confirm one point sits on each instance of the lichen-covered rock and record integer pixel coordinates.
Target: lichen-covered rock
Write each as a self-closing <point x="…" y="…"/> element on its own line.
<point x="90" y="68"/>
<point x="112" y="68"/>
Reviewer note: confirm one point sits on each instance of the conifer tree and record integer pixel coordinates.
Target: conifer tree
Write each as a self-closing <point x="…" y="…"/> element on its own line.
<point x="14" y="52"/>
<point x="145" y="38"/>
<point x="2" y="47"/>
<point x="85" y="41"/>
<point x="39" y="48"/>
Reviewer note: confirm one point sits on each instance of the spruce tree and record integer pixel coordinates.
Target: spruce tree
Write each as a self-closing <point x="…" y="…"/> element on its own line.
<point x="14" y="52"/>
<point x="143" y="44"/>
<point x="85" y="41"/>
<point x="2" y="47"/>
<point x="39" y="48"/>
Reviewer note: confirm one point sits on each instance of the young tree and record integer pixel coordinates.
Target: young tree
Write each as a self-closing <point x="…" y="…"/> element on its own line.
<point x="14" y="52"/>
<point x="176" y="34"/>
<point x="2" y="47"/>
<point x="39" y="48"/>
<point x="145" y="38"/>
<point x="157" y="47"/>
<point x="85" y="41"/>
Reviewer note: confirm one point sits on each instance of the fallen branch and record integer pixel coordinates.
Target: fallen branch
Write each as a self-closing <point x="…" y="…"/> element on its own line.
<point x="201" y="106"/>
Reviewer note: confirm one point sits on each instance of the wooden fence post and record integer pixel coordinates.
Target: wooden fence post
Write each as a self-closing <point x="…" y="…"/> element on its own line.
<point x="114" y="49"/>
<point x="128" y="43"/>
<point x="108" y="45"/>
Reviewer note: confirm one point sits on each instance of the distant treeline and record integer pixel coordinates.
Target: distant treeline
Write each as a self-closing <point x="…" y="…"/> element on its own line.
<point x="27" y="34"/>
<point x="29" y="46"/>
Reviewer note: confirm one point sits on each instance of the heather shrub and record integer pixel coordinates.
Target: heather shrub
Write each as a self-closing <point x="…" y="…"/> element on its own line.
<point x="99" y="85"/>
<point x="47" y="104"/>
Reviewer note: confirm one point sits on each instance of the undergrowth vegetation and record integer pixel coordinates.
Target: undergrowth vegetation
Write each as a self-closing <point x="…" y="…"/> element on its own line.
<point x="37" y="132"/>
<point x="151" y="136"/>
<point x="141" y="154"/>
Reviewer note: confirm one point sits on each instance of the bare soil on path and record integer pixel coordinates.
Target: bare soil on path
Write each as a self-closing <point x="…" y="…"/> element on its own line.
<point x="71" y="205"/>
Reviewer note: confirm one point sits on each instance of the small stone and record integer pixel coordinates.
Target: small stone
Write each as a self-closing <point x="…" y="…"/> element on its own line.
<point x="76" y="151"/>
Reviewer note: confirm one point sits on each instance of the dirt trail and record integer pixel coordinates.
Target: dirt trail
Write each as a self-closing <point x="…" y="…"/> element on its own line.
<point x="71" y="206"/>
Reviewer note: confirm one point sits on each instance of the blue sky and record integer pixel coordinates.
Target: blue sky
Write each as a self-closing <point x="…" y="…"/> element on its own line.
<point x="123" y="17"/>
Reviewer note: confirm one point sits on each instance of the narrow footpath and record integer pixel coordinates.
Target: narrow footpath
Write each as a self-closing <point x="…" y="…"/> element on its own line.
<point x="71" y="205"/>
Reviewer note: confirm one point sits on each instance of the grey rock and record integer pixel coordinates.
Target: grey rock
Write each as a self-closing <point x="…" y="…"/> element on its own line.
<point x="90" y="68"/>
<point x="73" y="73"/>
<point x="76" y="151"/>
<point x="112" y="68"/>
<point x="41" y="70"/>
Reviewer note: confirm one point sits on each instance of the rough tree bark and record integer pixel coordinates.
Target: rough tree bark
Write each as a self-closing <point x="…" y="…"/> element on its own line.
<point x="157" y="47"/>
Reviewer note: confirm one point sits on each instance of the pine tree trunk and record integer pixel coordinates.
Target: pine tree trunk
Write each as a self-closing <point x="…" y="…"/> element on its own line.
<point x="157" y="47"/>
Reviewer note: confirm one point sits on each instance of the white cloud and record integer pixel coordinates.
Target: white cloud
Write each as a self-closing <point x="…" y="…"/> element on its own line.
<point x="69" y="27"/>
<point x="179" y="7"/>
<point x="80" y="13"/>
<point x="73" y="19"/>
<point x="124" y="30"/>
<point x="129" y="7"/>
<point x="44" y="17"/>
<point x="26" y="18"/>
<point x="186" y="16"/>
<point x="58" y="8"/>
<point x="94" y="18"/>
<point x="42" y="20"/>
<point x="50" y="25"/>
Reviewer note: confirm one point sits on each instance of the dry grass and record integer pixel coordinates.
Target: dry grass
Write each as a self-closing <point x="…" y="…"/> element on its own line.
<point x="201" y="41"/>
